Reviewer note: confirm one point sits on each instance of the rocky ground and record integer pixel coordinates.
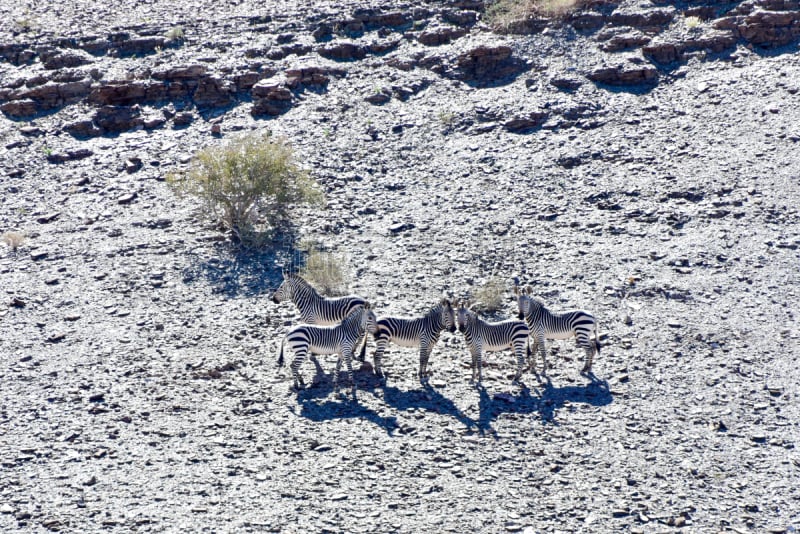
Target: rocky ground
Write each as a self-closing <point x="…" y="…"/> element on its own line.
<point x="639" y="160"/>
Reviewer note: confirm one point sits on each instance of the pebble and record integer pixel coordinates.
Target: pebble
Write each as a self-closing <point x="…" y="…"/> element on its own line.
<point x="127" y="198"/>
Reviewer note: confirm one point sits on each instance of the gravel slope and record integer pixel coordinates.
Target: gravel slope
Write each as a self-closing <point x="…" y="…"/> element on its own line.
<point x="137" y="355"/>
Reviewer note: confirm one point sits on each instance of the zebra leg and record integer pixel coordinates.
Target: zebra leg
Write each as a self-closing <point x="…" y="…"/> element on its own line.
<point x="480" y="366"/>
<point x="348" y="360"/>
<point x="299" y="356"/>
<point x="520" y="350"/>
<point x="336" y="375"/>
<point x="424" y="356"/>
<point x="542" y="353"/>
<point x="380" y="347"/>
<point x="474" y="365"/>
<point x="531" y="357"/>
<point x="363" y="350"/>
<point x="590" y="349"/>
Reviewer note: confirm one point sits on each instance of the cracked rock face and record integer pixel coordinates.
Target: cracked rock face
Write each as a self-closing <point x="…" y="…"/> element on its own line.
<point x="639" y="161"/>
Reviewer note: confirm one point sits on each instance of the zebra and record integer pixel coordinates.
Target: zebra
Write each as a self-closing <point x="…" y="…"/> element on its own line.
<point x="547" y="325"/>
<point x="313" y="307"/>
<point x="482" y="336"/>
<point x="340" y="340"/>
<point x="422" y="332"/>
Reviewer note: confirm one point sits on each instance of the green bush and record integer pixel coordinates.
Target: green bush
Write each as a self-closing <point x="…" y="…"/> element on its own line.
<point x="248" y="185"/>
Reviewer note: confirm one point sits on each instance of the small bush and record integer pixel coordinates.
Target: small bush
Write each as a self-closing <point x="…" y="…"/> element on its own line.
<point x="489" y="297"/>
<point x="326" y="271"/>
<point x="175" y="34"/>
<point x="692" y="22"/>
<point x="249" y="176"/>
<point x="503" y="13"/>
<point x="13" y="240"/>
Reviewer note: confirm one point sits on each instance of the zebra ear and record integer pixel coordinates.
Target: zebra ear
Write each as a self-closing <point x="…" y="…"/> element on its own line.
<point x="528" y="290"/>
<point x="516" y="289"/>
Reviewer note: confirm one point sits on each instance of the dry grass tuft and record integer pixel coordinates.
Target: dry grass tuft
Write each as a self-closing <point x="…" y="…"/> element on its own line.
<point x="489" y="297"/>
<point x="13" y="240"/>
<point x="692" y="22"/>
<point x="502" y="14"/>
<point x="326" y="271"/>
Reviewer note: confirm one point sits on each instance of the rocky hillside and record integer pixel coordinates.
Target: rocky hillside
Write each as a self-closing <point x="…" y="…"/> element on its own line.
<point x="635" y="159"/>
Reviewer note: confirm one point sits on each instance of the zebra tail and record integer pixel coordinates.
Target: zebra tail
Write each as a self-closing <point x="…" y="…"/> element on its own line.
<point x="529" y="349"/>
<point x="280" y="357"/>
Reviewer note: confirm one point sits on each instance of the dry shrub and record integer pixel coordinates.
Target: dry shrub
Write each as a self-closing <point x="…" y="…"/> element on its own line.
<point x="692" y="22"/>
<point x="326" y="271"/>
<point x="501" y="14"/>
<point x="489" y="297"/>
<point x="250" y="177"/>
<point x="13" y="240"/>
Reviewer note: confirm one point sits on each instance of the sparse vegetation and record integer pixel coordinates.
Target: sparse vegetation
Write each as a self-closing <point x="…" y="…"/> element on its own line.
<point x="25" y="23"/>
<point x="248" y="185"/>
<point x="489" y="297"/>
<point x="692" y="22"/>
<point x="176" y="34"/>
<point x="447" y="118"/>
<point x="13" y="240"/>
<point x="503" y="13"/>
<point x="325" y="270"/>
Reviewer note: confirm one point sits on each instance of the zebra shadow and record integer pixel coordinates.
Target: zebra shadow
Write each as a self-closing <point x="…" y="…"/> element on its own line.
<point x="552" y="399"/>
<point x="427" y="399"/>
<point x="344" y="409"/>
<point x="317" y="405"/>
<point x="545" y="401"/>
<point x="321" y="384"/>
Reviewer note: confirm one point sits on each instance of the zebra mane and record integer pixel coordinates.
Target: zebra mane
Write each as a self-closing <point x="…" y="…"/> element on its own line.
<point x="302" y="283"/>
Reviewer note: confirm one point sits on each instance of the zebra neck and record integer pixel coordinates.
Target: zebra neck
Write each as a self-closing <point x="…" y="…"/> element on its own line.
<point x="353" y="321"/>
<point x="305" y="293"/>
<point x="435" y="318"/>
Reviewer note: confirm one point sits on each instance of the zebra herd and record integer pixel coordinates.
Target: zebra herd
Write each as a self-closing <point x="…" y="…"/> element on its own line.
<point x="339" y="325"/>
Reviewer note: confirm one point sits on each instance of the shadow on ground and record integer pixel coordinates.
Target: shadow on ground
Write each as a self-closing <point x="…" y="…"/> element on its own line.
<point x="236" y="271"/>
<point x="545" y="401"/>
<point x="314" y="408"/>
<point x="427" y="399"/>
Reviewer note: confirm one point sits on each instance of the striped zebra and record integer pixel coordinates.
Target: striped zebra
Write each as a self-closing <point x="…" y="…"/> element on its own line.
<point x="313" y="307"/>
<point x="422" y="332"/>
<point x="547" y="325"/>
<point x="482" y="336"/>
<point x="340" y="340"/>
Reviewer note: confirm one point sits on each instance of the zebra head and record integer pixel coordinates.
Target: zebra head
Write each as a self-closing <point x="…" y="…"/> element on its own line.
<point x="287" y="288"/>
<point x="447" y="317"/>
<point x="525" y="302"/>
<point x="465" y="315"/>
<point x="368" y="320"/>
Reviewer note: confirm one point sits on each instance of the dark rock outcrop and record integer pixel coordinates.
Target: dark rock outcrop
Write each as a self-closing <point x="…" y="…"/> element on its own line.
<point x="624" y="75"/>
<point x="271" y="97"/>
